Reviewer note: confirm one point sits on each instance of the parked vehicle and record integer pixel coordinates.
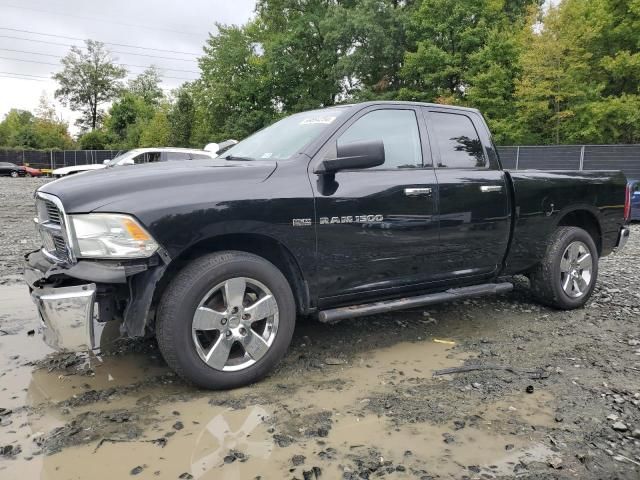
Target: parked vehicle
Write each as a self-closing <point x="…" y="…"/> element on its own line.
<point x="335" y="213"/>
<point x="137" y="156"/>
<point x="32" y="172"/>
<point x="633" y="191"/>
<point x="219" y="148"/>
<point x="11" y="170"/>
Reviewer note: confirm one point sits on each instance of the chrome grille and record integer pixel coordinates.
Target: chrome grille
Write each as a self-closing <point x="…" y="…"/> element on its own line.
<point x="53" y="214"/>
<point x="52" y="228"/>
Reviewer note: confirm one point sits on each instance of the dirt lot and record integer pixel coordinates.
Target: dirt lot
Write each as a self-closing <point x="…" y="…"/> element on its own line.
<point x="355" y="400"/>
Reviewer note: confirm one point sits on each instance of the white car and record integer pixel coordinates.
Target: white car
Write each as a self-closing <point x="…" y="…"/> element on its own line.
<point x="138" y="156"/>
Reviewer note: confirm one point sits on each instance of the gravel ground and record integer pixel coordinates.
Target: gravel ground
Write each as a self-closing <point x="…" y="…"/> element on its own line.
<point x="557" y="394"/>
<point x="18" y="233"/>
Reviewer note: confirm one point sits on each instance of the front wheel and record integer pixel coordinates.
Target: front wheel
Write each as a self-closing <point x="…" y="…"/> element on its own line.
<point x="14" y="174"/>
<point x="226" y="320"/>
<point x="566" y="276"/>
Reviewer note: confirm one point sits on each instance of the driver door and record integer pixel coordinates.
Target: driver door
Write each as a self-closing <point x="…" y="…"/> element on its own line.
<point x="377" y="227"/>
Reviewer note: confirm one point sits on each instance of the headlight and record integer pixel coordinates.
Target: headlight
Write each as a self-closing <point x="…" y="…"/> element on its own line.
<point x="110" y="235"/>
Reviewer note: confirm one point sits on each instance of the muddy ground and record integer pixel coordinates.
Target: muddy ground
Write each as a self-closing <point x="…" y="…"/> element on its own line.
<point x="355" y="400"/>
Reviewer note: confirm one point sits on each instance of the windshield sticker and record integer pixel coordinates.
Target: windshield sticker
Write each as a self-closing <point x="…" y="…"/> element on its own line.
<point x="326" y="120"/>
<point x="266" y="155"/>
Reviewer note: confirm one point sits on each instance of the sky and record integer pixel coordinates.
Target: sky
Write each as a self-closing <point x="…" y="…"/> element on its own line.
<point x="175" y="31"/>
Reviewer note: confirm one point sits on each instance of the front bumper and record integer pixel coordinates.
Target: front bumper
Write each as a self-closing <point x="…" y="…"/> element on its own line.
<point x="69" y="310"/>
<point x="69" y="317"/>
<point x="89" y="304"/>
<point x="625" y="232"/>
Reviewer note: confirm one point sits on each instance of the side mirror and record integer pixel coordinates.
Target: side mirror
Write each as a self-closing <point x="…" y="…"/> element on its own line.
<point x="106" y="162"/>
<point x="356" y="155"/>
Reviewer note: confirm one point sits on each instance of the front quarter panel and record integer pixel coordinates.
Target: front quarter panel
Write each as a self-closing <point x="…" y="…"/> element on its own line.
<point x="181" y="217"/>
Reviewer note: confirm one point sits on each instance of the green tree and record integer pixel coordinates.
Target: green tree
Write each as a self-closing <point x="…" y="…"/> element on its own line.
<point x="93" y="140"/>
<point x="88" y="80"/>
<point x="181" y="119"/>
<point x="234" y="92"/>
<point x="147" y="86"/>
<point x="375" y="32"/>
<point x="579" y="81"/>
<point x="127" y="117"/>
<point x="156" y="132"/>
<point x="21" y="128"/>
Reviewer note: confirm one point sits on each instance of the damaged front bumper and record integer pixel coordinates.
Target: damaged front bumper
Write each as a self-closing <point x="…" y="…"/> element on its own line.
<point x="87" y="305"/>
<point x="69" y="319"/>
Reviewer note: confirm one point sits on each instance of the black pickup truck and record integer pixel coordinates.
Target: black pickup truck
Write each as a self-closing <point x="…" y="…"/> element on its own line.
<point x="333" y="213"/>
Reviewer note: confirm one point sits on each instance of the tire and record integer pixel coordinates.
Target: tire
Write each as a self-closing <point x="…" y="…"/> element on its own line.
<point x="184" y="347"/>
<point x="14" y="174"/>
<point x="549" y="279"/>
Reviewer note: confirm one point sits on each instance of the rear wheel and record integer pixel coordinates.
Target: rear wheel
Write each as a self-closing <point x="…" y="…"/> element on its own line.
<point x="567" y="275"/>
<point x="226" y="320"/>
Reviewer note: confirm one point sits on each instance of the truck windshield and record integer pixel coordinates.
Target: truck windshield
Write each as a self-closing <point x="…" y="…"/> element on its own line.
<point x="285" y="137"/>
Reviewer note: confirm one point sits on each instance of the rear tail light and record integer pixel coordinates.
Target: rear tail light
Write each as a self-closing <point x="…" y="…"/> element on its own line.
<point x="627" y="203"/>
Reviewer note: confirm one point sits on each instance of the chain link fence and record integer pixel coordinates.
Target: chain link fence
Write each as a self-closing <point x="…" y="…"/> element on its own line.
<point x="573" y="157"/>
<point x="524" y="157"/>
<point x="52" y="159"/>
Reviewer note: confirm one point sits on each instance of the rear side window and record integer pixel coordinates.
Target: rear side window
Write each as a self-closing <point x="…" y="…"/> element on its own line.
<point x="398" y="129"/>
<point x="178" y="156"/>
<point x="457" y="141"/>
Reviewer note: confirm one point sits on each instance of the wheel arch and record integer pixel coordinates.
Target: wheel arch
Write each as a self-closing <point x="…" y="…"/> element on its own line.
<point x="586" y="219"/>
<point x="259" y="244"/>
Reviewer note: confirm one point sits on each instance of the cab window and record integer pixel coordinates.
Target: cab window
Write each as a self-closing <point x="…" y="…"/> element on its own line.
<point x="398" y="129"/>
<point x="457" y="140"/>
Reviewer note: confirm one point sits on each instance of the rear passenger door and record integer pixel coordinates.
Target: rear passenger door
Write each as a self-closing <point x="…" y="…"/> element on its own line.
<point x="474" y="210"/>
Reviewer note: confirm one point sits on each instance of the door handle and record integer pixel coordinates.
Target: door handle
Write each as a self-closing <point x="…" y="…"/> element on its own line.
<point x="490" y="188"/>
<point x="416" y="192"/>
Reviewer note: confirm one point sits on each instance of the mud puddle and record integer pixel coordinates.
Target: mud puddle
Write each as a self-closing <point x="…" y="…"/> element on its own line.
<point x="216" y="443"/>
<point x="122" y="415"/>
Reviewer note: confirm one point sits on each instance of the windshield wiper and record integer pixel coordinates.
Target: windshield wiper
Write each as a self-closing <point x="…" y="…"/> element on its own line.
<point x="243" y="159"/>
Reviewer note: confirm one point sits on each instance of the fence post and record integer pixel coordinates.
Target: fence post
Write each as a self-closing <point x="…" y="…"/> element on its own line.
<point x="582" y="158"/>
<point x="23" y="156"/>
<point x="51" y="158"/>
<point x="517" y="156"/>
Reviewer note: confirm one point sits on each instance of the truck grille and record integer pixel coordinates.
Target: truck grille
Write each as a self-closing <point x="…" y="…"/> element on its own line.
<point x="53" y="213"/>
<point x="52" y="229"/>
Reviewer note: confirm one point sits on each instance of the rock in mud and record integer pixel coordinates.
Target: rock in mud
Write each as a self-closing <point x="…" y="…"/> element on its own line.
<point x="619" y="427"/>
<point x="178" y="426"/>
<point x="283" y="441"/>
<point x="10" y="450"/>
<point x="234" y="455"/>
<point x="137" y="470"/>
<point x="297" y="460"/>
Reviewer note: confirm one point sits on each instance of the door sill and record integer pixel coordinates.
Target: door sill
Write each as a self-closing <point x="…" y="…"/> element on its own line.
<point x="342" y="313"/>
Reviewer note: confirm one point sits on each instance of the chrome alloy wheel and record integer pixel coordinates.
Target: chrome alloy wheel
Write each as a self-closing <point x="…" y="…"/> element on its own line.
<point x="576" y="268"/>
<point x="235" y="324"/>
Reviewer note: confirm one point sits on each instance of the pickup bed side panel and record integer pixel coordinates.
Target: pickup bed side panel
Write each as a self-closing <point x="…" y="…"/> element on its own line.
<point x="543" y="199"/>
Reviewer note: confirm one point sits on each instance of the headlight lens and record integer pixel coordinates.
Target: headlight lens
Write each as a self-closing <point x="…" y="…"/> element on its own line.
<point x="110" y="235"/>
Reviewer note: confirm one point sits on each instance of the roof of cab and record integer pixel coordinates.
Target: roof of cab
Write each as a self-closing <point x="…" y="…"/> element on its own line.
<point x="401" y="102"/>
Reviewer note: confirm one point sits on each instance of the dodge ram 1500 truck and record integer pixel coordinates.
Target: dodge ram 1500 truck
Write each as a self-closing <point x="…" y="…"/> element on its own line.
<point x="334" y="213"/>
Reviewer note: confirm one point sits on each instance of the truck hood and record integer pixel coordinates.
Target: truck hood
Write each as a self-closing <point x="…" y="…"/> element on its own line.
<point x="136" y="183"/>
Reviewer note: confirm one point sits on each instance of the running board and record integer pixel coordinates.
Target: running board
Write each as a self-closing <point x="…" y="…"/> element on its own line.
<point x="337" y="314"/>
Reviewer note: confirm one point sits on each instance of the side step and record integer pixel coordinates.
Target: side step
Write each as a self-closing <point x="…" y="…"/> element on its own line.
<point x="337" y="314"/>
